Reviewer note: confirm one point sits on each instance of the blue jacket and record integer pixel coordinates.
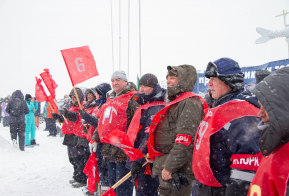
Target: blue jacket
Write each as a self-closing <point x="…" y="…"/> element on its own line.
<point x="242" y="137"/>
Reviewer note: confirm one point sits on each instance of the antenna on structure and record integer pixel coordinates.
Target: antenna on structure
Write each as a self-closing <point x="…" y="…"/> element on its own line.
<point x="284" y="16"/>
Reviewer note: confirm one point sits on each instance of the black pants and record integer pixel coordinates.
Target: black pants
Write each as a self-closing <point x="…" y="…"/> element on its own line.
<point x="6" y="121"/>
<point x="18" y="129"/>
<point x="51" y="126"/>
<point x="79" y="163"/>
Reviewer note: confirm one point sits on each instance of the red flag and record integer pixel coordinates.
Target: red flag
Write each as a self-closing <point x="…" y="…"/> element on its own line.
<point x="148" y="170"/>
<point x="80" y="64"/>
<point x="121" y="140"/>
<point x="109" y="192"/>
<point x="52" y="103"/>
<point x="49" y="82"/>
<point x="91" y="170"/>
<point x="39" y="91"/>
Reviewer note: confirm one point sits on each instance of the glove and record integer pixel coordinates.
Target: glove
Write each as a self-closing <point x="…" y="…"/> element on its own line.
<point x="92" y="146"/>
<point x="135" y="168"/>
<point x="55" y="116"/>
<point x="62" y="111"/>
<point x="83" y="114"/>
<point x="178" y="180"/>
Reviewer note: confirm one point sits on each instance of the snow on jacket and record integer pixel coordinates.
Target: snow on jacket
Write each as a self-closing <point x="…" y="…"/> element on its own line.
<point x="183" y="117"/>
<point x="113" y="153"/>
<point x="241" y="137"/>
<point x="20" y="118"/>
<point x="273" y="93"/>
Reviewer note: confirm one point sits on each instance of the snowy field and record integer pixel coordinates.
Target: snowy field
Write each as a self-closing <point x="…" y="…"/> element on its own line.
<point x="40" y="171"/>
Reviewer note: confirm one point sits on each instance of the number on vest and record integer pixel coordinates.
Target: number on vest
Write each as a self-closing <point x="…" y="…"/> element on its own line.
<point x="203" y="128"/>
<point x="255" y="189"/>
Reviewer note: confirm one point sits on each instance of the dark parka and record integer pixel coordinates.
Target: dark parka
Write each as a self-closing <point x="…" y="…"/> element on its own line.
<point x="274" y="98"/>
<point x="20" y="118"/>
<point x="183" y="117"/>
<point x="113" y="153"/>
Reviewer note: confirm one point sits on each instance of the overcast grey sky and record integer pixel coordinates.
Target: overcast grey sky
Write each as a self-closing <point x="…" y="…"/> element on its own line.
<point x="173" y="32"/>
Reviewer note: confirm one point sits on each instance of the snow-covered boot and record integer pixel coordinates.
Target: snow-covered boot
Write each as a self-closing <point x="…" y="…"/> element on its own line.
<point x="15" y="145"/>
<point x="72" y="181"/>
<point x="86" y="192"/>
<point x="77" y="185"/>
<point x="33" y="142"/>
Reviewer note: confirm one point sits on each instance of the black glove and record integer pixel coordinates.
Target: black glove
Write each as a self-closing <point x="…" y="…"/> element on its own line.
<point x="178" y="180"/>
<point x="83" y="114"/>
<point x="135" y="168"/>
<point x="62" y="111"/>
<point x="55" y="116"/>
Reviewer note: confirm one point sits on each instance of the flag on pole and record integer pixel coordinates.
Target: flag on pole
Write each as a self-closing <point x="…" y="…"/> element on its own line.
<point x="91" y="170"/>
<point x="39" y="91"/>
<point x="52" y="103"/>
<point x="121" y="140"/>
<point x="109" y="192"/>
<point x="80" y="64"/>
<point x="49" y="82"/>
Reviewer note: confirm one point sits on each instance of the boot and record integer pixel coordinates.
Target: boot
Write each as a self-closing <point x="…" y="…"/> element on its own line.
<point x="15" y="145"/>
<point x="33" y="142"/>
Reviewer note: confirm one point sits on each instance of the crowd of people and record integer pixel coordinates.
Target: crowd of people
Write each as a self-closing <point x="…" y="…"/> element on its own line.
<point x="234" y="141"/>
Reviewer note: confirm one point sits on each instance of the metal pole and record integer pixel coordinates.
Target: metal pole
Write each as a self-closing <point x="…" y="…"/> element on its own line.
<point x="112" y="51"/>
<point x="139" y="41"/>
<point x="128" y="38"/>
<point x="119" y="34"/>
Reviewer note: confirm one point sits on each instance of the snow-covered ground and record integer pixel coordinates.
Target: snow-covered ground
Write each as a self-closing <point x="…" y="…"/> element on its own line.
<point x="40" y="171"/>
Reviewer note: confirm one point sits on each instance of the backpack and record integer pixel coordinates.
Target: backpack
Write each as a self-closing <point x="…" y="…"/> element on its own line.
<point x="16" y="106"/>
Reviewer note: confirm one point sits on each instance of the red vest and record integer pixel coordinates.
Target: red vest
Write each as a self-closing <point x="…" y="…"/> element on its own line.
<point x="91" y="129"/>
<point x="215" y="119"/>
<point x="152" y="152"/>
<point x="272" y="175"/>
<point x="67" y="128"/>
<point x="113" y="114"/>
<point x="134" y="124"/>
<point x="78" y="127"/>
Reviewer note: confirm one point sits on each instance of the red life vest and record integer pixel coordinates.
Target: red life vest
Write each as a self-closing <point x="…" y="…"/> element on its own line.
<point x="215" y="119"/>
<point x="67" y="128"/>
<point x="78" y="127"/>
<point x="152" y="152"/>
<point x="272" y="175"/>
<point x="134" y="124"/>
<point x="113" y="114"/>
<point x="91" y="129"/>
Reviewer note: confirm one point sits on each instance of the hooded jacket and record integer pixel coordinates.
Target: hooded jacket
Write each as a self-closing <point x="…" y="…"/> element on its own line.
<point x="274" y="97"/>
<point x="183" y="117"/>
<point x="113" y="153"/>
<point x="21" y="118"/>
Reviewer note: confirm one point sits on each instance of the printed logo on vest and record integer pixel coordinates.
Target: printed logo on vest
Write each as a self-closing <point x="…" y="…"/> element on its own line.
<point x="184" y="139"/>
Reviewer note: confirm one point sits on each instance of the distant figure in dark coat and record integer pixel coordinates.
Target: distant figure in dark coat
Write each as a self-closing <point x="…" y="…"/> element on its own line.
<point x="17" y="122"/>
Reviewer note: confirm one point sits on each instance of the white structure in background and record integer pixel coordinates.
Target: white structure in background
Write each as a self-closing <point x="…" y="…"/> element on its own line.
<point x="269" y="34"/>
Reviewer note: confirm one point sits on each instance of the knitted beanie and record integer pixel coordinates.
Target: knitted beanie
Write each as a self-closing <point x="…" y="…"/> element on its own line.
<point x="119" y="74"/>
<point x="149" y="80"/>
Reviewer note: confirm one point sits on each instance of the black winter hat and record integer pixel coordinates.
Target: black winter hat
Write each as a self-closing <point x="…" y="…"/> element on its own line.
<point x="102" y="89"/>
<point x="149" y="80"/>
<point x="261" y="74"/>
<point x="27" y="96"/>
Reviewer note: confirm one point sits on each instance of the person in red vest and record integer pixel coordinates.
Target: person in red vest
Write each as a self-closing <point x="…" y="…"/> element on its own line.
<point x="151" y="100"/>
<point x="273" y="173"/>
<point x="117" y="111"/>
<point x="175" y="130"/>
<point x="226" y="145"/>
<point x="77" y="154"/>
